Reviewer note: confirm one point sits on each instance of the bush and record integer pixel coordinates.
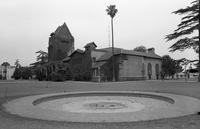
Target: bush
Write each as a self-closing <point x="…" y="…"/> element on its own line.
<point x="83" y="77"/>
<point x="87" y="76"/>
<point x="78" y="77"/>
<point x="68" y="74"/>
<point x="56" y="77"/>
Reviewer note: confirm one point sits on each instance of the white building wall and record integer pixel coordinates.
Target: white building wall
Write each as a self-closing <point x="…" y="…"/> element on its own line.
<point x="10" y="70"/>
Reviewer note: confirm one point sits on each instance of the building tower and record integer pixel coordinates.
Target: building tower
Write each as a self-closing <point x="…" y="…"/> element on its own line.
<point x="61" y="44"/>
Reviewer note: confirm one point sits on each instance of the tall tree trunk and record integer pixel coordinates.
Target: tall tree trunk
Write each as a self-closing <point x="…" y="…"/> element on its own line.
<point x="199" y="57"/>
<point x="113" y="56"/>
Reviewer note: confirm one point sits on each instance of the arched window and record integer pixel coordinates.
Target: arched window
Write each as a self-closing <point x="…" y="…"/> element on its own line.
<point x="157" y="71"/>
<point x="149" y="68"/>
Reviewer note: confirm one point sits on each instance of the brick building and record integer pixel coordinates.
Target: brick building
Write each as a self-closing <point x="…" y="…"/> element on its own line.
<point x="61" y="45"/>
<point x="96" y="64"/>
<point x="129" y="64"/>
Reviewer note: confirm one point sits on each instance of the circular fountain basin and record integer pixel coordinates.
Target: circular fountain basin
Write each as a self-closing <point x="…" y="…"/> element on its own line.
<point x="110" y="106"/>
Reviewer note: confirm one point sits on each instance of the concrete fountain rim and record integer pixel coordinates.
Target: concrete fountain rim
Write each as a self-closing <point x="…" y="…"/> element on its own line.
<point x="74" y="119"/>
<point x="100" y="93"/>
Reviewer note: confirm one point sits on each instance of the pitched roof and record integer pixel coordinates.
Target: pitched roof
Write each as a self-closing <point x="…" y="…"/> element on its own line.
<point x="144" y="54"/>
<point x="105" y="57"/>
<point x="77" y="50"/>
<point x="89" y="44"/>
<point x="109" y="49"/>
<point x="118" y="51"/>
<point x="63" y="33"/>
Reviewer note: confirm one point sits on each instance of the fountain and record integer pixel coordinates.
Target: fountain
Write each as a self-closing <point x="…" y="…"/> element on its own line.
<point x="103" y="106"/>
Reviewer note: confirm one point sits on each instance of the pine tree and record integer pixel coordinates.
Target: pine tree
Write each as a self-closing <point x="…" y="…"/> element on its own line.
<point x="42" y="56"/>
<point x="185" y="33"/>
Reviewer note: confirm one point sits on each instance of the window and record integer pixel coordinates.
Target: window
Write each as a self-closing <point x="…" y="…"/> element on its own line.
<point x="157" y="71"/>
<point x="149" y="68"/>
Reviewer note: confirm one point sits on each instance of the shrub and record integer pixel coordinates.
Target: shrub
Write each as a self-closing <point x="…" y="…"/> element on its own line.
<point x="56" y="77"/>
<point x="78" y="77"/>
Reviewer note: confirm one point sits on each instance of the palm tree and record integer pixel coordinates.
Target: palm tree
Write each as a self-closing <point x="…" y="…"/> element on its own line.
<point x="111" y="10"/>
<point x="17" y="64"/>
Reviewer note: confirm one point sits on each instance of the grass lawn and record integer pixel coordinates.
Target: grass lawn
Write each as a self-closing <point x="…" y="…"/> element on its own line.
<point x="12" y="89"/>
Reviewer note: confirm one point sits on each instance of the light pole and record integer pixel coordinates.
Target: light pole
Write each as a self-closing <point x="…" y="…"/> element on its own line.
<point x="111" y="10"/>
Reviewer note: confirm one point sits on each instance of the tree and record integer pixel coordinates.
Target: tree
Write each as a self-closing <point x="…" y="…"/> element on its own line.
<point x="40" y="67"/>
<point x="178" y="66"/>
<point x="140" y="49"/>
<point x="17" y="73"/>
<point x="185" y="32"/>
<point x="42" y="56"/>
<point x="170" y="66"/>
<point x="184" y="62"/>
<point x="17" y="64"/>
<point x="111" y="10"/>
<point x="22" y="73"/>
<point x="26" y="73"/>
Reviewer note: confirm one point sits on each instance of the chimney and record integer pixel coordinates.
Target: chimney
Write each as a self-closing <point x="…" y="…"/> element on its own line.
<point x="90" y="46"/>
<point x="151" y="50"/>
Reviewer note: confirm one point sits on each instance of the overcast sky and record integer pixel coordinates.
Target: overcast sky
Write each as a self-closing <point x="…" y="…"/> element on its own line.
<point x="25" y="25"/>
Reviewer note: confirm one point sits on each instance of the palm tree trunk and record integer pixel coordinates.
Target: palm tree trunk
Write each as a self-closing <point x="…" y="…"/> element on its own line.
<point x="199" y="57"/>
<point x="113" y="56"/>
